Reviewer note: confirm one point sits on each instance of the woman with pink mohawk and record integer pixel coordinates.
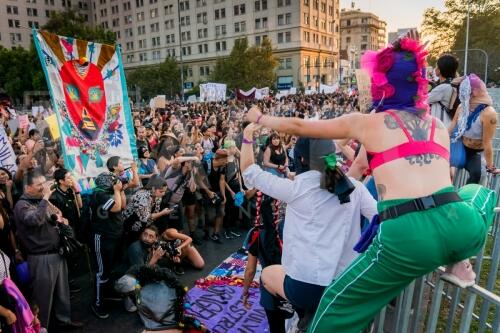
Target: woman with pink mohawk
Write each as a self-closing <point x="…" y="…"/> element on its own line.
<point x="423" y="223"/>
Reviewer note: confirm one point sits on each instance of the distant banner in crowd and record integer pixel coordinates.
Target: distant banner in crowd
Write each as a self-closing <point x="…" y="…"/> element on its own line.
<point x="326" y="89"/>
<point x="158" y="102"/>
<point x="7" y="156"/>
<point x="89" y="94"/>
<point x="364" y="85"/>
<point x="254" y="93"/>
<point x="213" y="92"/>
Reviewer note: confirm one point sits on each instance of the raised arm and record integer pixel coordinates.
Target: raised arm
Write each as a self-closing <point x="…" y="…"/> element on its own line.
<point x="348" y="126"/>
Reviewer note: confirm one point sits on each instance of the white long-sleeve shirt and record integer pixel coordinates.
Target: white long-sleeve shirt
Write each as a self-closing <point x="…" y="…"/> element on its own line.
<point x="441" y="93"/>
<point x="319" y="233"/>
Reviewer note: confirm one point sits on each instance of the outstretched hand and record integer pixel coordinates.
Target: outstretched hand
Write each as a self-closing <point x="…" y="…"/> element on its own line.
<point x="253" y="114"/>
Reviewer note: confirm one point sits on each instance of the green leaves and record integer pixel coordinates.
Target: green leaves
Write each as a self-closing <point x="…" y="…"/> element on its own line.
<point x="163" y="79"/>
<point x="247" y="67"/>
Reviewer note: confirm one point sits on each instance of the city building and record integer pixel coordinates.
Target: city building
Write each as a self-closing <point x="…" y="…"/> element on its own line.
<point x="359" y="32"/>
<point x="304" y="34"/>
<point x="18" y="17"/>
<point x="401" y="32"/>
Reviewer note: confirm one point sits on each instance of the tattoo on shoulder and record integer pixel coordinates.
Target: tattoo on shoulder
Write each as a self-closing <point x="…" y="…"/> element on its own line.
<point x="390" y="122"/>
<point x="493" y="121"/>
<point x="381" y="190"/>
<point x="422" y="159"/>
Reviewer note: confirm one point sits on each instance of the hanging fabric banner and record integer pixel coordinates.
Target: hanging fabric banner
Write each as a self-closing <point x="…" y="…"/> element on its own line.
<point x="89" y="94"/>
<point x="7" y="156"/>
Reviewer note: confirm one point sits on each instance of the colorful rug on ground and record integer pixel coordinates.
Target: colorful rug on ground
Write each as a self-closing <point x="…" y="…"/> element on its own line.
<point x="216" y="300"/>
<point x="89" y="95"/>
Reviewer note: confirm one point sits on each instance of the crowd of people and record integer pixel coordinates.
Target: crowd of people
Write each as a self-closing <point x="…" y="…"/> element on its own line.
<point x="316" y="156"/>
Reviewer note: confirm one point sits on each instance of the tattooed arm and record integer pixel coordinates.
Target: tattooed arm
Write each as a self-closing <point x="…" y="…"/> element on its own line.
<point x="489" y="119"/>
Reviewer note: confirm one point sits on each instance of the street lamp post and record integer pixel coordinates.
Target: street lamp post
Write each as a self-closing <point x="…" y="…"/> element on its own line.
<point x="467" y="38"/>
<point x="180" y="49"/>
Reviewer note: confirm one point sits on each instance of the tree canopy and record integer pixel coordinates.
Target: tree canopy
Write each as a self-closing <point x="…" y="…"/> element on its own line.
<point x="446" y="32"/>
<point x="163" y="79"/>
<point x="71" y="24"/>
<point x="20" y="69"/>
<point x="247" y="67"/>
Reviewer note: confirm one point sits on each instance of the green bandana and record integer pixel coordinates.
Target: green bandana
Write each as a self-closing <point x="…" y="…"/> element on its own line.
<point x="330" y="161"/>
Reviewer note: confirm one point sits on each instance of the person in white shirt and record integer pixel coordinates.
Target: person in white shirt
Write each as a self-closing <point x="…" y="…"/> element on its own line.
<point x="441" y="97"/>
<point x="319" y="233"/>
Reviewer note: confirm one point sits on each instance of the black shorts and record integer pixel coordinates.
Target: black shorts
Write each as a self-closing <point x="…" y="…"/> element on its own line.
<point x="189" y="198"/>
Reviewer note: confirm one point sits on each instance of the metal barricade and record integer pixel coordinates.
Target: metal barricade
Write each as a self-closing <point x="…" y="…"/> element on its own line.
<point x="430" y="304"/>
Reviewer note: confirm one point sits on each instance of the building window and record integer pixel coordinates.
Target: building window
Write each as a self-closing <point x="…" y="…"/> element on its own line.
<point x="126" y="5"/>
<point x="348" y="40"/>
<point x="139" y="3"/>
<point x="280" y="37"/>
<point x="363" y="47"/>
<point x="143" y="56"/>
<point x="306" y="18"/>
<point x="261" y="23"/>
<point x="239" y="9"/>
<point x="169" y="9"/>
<point x="142" y="44"/>
<point x="364" y="38"/>
<point x="201" y="3"/>
<point x="288" y="63"/>
<point x="257" y="40"/>
<point x="156" y="55"/>
<point x="348" y="22"/>
<point x="220" y="46"/>
<point x="201" y="18"/>
<point x="14" y="23"/>
<point x="140" y="16"/>
<point x="220" y="13"/>
<point x="12" y="10"/>
<point x="282" y="3"/>
<point x="155" y="41"/>
<point x="183" y="5"/>
<point x="220" y="30"/>
<point x="128" y="19"/>
<point x="154" y="12"/>
<point x="141" y="30"/>
<point x="288" y="37"/>
<point x="240" y="26"/>
<point x="315" y="4"/>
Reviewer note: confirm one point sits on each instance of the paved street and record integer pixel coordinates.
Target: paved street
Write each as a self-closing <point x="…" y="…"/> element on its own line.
<point x="122" y="322"/>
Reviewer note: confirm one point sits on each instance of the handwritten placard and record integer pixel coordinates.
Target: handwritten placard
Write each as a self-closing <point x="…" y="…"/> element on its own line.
<point x="364" y="86"/>
<point x="221" y="309"/>
<point x="53" y="126"/>
<point x="23" y="121"/>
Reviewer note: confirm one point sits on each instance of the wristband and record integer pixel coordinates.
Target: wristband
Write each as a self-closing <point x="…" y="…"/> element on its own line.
<point x="248" y="142"/>
<point x="258" y="118"/>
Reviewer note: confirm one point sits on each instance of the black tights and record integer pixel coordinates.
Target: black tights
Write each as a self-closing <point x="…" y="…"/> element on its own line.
<point x="473" y="165"/>
<point x="276" y="321"/>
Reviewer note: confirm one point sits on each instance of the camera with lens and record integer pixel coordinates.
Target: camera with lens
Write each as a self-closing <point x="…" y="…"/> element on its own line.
<point x="216" y="199"/>
<point x="168" y="247"/>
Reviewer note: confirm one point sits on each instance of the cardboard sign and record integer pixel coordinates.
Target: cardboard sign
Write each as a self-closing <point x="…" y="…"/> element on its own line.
<point x="364" y="86"/>
<point x="53" y="126"/>
<point x="23" y="121"/>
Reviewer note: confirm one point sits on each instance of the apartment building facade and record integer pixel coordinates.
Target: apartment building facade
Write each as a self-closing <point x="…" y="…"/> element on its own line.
<point x="19" y="16"/>
<point x="359" y="32"/>
<point x="304" y="33"/>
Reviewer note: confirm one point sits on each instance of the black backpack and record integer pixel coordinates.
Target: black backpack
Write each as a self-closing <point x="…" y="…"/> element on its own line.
<point x="451" y="108"/>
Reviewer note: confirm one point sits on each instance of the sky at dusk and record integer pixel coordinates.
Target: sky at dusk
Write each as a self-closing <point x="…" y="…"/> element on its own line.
<point x="397" y="13"/>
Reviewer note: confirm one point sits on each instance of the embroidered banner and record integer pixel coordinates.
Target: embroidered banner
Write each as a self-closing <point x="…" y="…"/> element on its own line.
<point x="7" y="156"/>
<point x="89" y="95"/>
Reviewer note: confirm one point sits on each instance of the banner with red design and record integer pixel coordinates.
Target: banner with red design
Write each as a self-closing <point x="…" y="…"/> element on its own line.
<point x="89" y="94"/>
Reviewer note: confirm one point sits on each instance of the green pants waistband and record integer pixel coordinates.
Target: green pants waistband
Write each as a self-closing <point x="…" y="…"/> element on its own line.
<point x="383" y="205"/>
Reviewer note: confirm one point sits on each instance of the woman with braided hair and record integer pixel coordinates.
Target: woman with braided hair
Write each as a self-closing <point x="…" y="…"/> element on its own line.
<point x="426" y="223"/>
<point x="322" y="221"/>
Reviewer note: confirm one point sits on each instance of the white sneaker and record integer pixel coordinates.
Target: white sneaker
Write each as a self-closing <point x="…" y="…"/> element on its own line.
<point x="129" y="304"/>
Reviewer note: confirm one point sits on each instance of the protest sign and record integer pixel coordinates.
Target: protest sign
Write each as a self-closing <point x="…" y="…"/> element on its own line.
<point x="220" y="308"/>
<point x="53" y="126"/>
<point x="23" y="121"/>
<point x="365" y="97"/>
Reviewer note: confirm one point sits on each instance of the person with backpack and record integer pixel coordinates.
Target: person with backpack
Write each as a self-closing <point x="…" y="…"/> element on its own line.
<point x="476" y="122"/>
<point x="264" y="246"/>
<point x="443" y="99"/>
